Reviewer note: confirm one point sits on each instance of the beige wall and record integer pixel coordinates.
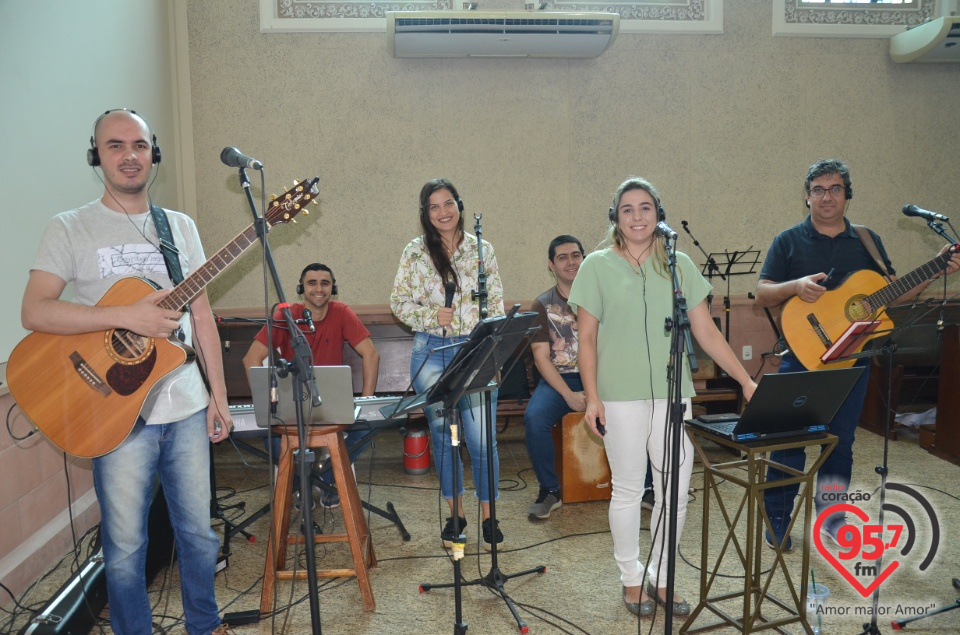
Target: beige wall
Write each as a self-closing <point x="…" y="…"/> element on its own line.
<point x="724" y="125"/>
<point x="65" y="63"/>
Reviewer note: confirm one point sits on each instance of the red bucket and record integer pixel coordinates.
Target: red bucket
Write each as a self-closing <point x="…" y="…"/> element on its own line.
<point x="416" y="452"/>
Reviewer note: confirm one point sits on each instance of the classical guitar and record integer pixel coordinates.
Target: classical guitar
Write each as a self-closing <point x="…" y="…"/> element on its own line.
<point x="812" y="328"/>
<point x="85" y="392"/>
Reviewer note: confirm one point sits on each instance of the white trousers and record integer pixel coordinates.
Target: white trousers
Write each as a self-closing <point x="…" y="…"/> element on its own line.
<point x="634" y="430"/>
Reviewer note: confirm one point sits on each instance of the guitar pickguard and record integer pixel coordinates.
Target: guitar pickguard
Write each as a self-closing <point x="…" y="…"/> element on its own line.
<point x="126" y="379"/>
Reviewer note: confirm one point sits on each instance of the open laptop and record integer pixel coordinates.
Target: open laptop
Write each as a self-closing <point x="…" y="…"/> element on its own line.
<point x="334" y="383"/>
<point x="785" y="405"/>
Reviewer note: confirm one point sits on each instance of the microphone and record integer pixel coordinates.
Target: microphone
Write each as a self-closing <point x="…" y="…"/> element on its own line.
<point x="449" y="288"/>
<point x="663" y="230"/>
<point x="308" y="320"/>
<point x="913" y="210"/>
<point x="235" y="159"/>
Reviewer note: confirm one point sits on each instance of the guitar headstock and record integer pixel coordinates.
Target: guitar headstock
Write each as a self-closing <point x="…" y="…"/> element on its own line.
<point x="284" y="207"/>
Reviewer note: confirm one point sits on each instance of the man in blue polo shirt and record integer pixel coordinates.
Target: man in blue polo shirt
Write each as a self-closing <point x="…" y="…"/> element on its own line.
<point x="805" y="261"/>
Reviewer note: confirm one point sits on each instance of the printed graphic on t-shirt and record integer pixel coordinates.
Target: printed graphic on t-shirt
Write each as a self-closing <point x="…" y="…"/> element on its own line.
<point x="130" y="260"/>
<point x="563" y="337"/>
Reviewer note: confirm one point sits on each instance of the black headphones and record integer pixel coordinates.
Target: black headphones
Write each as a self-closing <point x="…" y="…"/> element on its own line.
<point x="317" y="267"/>
<point x="93" y="154"/>
<point x="661" y="215"/>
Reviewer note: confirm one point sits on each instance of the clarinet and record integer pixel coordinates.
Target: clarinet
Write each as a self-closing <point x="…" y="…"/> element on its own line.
<point x="480" y="294"/>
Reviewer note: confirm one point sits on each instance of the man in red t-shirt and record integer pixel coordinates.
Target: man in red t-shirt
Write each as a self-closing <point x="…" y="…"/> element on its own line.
<point x="334" y="323"/>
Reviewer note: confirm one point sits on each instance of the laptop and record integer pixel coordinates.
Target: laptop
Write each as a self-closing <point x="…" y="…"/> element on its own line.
<point x="334" y="383"/>
<point x="785" y="405"/>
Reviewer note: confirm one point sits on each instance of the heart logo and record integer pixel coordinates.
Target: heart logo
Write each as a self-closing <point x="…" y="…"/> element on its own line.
<point x="829" y="557"/>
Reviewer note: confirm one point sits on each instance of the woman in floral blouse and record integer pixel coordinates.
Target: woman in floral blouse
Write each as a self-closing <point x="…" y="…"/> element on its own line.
<point x="446" y="253"/>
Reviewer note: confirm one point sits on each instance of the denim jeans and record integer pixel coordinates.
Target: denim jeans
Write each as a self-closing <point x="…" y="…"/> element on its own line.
<point x="473" y="429"/>
<point x="544" y="410"/>
<point x="124" y="480"/>
<point x="838" y="466"/>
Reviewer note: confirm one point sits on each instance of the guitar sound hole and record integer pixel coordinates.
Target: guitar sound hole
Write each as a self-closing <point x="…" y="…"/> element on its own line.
<point x="859" y="310"/>
<point x="127" y="347"/>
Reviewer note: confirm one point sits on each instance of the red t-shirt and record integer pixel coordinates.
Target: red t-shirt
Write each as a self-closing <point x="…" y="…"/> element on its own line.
<point x="340" y="325"/>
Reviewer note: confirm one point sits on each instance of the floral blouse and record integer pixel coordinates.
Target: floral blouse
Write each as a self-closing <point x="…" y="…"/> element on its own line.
<point x="418" y="290"/>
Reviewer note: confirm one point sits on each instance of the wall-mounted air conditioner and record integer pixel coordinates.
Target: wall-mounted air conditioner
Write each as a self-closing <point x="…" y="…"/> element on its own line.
<point x="934" y="41"/>
<point x="500" y="33"/>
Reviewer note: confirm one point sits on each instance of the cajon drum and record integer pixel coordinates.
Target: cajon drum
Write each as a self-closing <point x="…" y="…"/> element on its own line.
<point x="581" y="461"/>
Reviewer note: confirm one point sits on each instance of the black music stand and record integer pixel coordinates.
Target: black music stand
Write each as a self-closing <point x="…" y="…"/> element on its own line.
<point x="477" y="367"/>
<point x="732" y="263"/>
<point x="916" y="318"/>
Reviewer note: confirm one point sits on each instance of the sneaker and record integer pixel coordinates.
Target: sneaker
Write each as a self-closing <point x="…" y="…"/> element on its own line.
<point x="450" y="531"/>
<point x="779" y="531"/>
<point x="831" y="527"/>
<point x="313" y="503"/>
<point x="491" y="534"/>
<point x="546" y="502"/>
<point x="329" y="500"/>
<point x="648" y="500"/>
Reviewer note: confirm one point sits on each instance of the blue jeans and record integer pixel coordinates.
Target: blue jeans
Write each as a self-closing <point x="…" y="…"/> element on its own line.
<point x="472" y="427"/>
<point x="838" y="466"/>
<point x="546" y="409"/>
<point x="124" y="480"/>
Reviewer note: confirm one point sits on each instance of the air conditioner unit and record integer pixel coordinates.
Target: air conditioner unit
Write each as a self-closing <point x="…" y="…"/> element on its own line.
<point x="934" y="41"/>
<point x="500" y="33"/>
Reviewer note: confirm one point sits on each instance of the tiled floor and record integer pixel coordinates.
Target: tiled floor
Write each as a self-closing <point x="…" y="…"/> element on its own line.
<point x="580" y="591"/>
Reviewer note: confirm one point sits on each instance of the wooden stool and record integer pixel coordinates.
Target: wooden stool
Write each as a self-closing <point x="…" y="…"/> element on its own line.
<point x="581" y="461"/>
<point x="357" y="533"/>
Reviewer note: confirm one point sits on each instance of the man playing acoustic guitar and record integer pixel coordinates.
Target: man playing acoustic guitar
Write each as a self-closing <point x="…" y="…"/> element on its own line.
<point x="805" y="265"/>
<point x="95" y="247"/>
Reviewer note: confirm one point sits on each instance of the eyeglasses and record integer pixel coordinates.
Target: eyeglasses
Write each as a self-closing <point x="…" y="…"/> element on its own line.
<point x="818" y="191"/>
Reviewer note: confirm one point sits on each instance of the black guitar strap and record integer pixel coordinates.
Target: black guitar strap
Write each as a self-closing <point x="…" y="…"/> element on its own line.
<point x="167" y="247"/>
<point x="171" y="256"/>
<point x="867" y="239"/>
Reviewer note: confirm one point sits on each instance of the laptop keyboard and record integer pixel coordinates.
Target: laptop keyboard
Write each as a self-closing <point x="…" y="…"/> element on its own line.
<point x="719" y="418"/>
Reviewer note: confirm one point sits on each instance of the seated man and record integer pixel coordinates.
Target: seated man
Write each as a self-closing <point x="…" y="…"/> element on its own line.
<point x="334" y="323"/>
<point x="560" y="390"/>
<point x="555" y="354"/>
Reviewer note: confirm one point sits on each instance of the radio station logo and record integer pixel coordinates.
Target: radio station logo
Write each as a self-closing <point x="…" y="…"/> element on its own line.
<point x="894" y="544"/>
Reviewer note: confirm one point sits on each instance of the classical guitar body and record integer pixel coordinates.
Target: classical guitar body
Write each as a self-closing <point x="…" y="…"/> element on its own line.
<point x="85" y="392"/>
<point x="811" y="328"/>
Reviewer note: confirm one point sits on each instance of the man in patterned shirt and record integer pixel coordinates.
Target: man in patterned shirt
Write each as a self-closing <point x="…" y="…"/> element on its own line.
<point x="555" y="355"/>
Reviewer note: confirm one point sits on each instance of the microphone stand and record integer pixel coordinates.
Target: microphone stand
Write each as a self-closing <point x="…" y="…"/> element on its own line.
<point x="712" y="270"/>
<point x="680" y="338"/>
<point x="302" y="368"/>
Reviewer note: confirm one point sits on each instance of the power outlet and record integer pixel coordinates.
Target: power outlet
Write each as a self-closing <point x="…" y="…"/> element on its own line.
<point x="747" y="353"/>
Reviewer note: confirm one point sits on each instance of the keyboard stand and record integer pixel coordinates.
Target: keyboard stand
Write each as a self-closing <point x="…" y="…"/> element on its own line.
<point x="750" y="473"/>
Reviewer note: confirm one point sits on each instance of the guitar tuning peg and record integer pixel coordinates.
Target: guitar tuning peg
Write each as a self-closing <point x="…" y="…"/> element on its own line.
<point x="273" y="197"/>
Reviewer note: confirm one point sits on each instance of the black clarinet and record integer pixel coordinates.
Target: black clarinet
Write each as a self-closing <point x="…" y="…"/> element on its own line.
<point x="480" y="294"/>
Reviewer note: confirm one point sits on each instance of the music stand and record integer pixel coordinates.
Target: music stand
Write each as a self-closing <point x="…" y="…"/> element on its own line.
<point x="476" y="367"/>
<point x="733" y="263"/>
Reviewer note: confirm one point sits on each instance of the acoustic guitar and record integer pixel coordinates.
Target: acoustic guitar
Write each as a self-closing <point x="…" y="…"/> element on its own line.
<point x="811" y="328"/>
<point x="85" y="391"/>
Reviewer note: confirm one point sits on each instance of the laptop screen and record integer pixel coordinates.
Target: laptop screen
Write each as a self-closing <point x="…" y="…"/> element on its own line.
<point x="334" y="383"/>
